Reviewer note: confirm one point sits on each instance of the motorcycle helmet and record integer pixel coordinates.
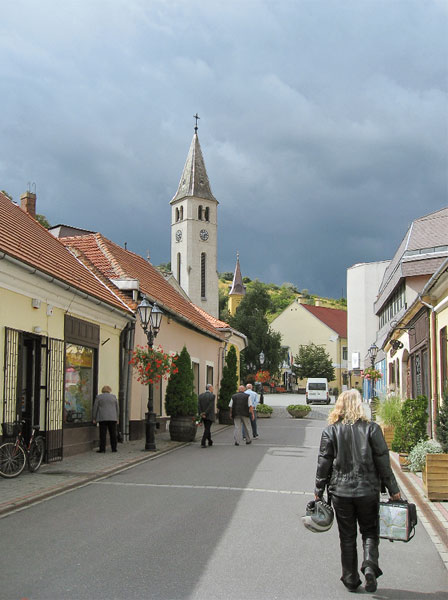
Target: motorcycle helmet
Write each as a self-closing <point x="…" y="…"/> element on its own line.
<point x="318" y="517"/>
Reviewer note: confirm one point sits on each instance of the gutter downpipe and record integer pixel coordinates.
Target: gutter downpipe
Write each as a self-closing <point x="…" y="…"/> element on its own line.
<point x="434" y="386"/>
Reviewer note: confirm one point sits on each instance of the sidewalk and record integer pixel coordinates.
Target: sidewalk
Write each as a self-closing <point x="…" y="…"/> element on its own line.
<point x="78" y="470"/>
<point x="433" y="516"/>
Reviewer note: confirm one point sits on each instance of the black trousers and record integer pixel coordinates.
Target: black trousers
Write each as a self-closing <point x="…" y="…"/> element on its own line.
<point x="112" y="427"/>
<point x="207" y="434"/>
<point x="349" y="513"/>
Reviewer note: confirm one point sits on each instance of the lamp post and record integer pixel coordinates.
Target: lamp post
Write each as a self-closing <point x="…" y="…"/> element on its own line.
<point x="373" y="351"/>
<point x="261" y="358"/>
<point x="150" y="318"/>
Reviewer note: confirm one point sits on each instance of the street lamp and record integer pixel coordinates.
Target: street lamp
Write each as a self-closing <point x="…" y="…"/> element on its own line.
<point x="261" y="358"/>
<point x="372" y="352"/>
<point x="150" y="318"/>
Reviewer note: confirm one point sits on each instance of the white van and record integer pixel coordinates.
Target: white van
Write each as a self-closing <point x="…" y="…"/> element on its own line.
<point x="317" y="391"/>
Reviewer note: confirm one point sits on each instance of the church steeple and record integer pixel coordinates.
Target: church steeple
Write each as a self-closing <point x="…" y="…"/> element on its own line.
<point x="237" y="289"/>
<point x="194" y="224"/>
<point x="194" y="180"/>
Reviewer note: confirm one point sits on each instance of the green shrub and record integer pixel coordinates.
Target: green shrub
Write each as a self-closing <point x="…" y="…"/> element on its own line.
<point x="229" y="380"/>
<point x="442" y="421"/>
<point x="264" y="409"/>
<point x="417" y="456"/>
<point x="180" y="398"/>
<point x="411" y="427"/>
<point x="389" y="410"/>
<point x="298" y="410"/>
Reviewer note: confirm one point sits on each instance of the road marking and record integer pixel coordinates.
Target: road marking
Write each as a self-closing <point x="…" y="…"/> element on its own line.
<point x="204" y="487"/>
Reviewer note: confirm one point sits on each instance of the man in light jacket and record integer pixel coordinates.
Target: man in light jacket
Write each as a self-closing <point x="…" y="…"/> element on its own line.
<point x="106" y="413"/>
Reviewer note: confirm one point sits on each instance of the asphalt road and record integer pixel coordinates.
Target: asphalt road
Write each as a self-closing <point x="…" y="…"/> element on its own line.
<point x="201" y="524"/>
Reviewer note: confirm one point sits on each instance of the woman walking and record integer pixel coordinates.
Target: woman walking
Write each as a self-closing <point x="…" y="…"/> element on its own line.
<point x="354" y="464"/>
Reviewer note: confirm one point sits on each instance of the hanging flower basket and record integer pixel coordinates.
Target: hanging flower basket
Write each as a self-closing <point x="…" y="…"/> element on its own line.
<point x="372" y="374"/>
<point x="152" y="364"/>
<point x="262" y="376"/>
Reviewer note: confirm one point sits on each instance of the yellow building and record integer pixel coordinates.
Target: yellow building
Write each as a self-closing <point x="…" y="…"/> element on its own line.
<point x="302" y="324"/>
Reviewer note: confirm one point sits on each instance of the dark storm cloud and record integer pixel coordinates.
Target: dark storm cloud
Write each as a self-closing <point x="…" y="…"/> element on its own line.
<point x="323" y="124"/>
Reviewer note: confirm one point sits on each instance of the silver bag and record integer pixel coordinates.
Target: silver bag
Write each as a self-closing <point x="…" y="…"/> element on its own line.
<point x="397" y="520"/>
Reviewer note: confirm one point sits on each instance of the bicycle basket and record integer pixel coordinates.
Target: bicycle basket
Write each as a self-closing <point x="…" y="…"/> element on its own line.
<point x="10" y="430"/>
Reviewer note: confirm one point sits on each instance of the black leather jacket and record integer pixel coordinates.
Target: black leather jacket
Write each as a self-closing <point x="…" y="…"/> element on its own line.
<point x="354" y="461"/>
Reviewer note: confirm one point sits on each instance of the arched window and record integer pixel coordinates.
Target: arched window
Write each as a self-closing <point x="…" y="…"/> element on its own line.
<point x="203" y="282"/>
<point x="207" y="214"/>
<point x="178" y="267"/>
<point x="177" y="214"/>
<point x="181" y="213"/>
<point x="200" y="213"/>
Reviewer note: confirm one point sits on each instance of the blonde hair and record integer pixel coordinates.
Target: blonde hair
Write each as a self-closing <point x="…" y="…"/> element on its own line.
<point x="106" y="389"/>
<point x="348" y="408"/>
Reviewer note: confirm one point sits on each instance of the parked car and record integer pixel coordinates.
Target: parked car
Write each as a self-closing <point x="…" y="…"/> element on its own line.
<point x="317" y="391"/>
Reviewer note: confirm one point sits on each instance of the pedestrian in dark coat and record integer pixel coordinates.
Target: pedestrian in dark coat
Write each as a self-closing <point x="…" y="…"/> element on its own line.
<point x="106" y="413"/>
<point x="354" y="463"/>
<point x="241" y="411"/>
<point x="206" y="408"/>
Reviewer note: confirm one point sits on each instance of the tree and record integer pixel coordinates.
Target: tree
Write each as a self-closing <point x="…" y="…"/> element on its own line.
<point x="180" y="398"/>
<point x="313" y="361"/>
<point x="42" y="219"/>
<point x="229" y="380"/>
<point x="250" y="318"/>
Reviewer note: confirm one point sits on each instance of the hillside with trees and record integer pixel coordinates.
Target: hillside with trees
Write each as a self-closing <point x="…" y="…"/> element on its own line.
<point x="281" y="296"/>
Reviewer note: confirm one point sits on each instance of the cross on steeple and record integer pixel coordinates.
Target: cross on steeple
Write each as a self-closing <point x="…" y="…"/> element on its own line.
<point x="196" y="116"/>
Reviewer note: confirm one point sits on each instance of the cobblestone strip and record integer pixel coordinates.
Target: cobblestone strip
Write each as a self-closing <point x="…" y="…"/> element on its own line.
<point x="431" y="518"/>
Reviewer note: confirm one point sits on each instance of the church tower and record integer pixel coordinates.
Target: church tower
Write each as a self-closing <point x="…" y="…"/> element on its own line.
<point x="194" y="228"/>
<point x="237" y="289"/>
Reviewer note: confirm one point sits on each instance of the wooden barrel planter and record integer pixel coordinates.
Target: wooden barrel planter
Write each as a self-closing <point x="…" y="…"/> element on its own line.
<point x="388" y="432"/>
<point x="435" y="477"/>
<point x="183" y="429"/>
<point x="403" y="460"/>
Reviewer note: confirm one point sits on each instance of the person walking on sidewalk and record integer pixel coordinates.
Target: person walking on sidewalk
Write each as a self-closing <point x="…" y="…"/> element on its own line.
<point x="353" y="463"/>
<point x="206" y="408"/>
<point x="106" y="413"/>
<point x="241" y="411"/>
<point x="254" y="401"/>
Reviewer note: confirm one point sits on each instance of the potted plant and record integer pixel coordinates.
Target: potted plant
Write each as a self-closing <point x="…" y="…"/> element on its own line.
<point x="228" y="387"/>
<point x="181" y="402"/>
<point x="389" y="411"/>
<point x="411" y="427"/>
<point x="417" y="456"/>
<point x="152" y="364"/>
<point x="264" y="411"/>
<point x="298" y="411"/>
<point x="435" y="473"/>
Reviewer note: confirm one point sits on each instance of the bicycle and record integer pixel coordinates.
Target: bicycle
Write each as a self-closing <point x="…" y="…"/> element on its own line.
<point x="14" y="455"/>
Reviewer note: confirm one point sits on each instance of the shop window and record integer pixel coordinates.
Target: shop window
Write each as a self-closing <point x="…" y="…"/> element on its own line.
<point x="81" y="370"/>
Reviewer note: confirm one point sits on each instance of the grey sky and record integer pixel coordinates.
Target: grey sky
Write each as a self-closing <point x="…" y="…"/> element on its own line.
<point x="323" y="123"/>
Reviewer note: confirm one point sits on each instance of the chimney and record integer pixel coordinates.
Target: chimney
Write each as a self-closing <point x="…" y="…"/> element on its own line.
<point x="28" y="203"/>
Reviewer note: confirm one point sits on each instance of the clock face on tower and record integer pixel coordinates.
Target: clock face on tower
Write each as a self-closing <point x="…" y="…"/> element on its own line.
<point x="203" y="234"/>
<point x="178" y="235"/>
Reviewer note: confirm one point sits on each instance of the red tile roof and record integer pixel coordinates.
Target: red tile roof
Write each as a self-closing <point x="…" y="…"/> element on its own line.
<point x="334" y="318"/>
<point x="23" y="238"/>
<point x="117" y="263"/>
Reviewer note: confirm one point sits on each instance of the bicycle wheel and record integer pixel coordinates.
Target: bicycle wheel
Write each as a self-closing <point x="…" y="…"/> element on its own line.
<point x="36" y="454"/>
<point x="12" y="459"/>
